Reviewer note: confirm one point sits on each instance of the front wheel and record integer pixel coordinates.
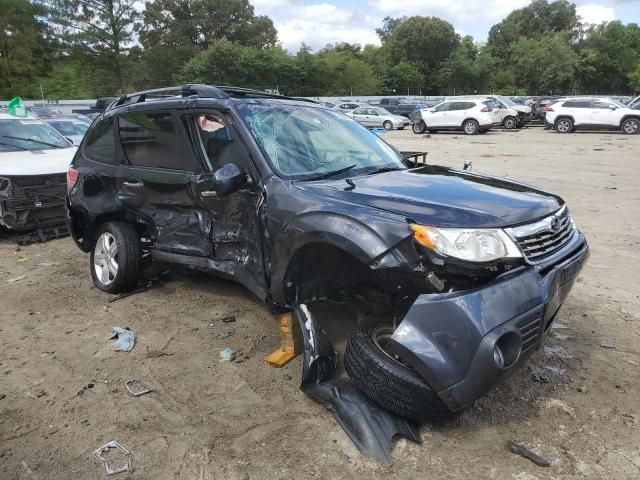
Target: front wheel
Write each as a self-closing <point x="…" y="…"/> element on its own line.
<point x="388" y="382"/>
<point x="510" y="123"/>
<point x="631" y="126"/>
<point x="387" y="125"/>
<point x="564" y="125"/>
<point x="116" y="257"/>
<point x="470" y="127"/>
<point x="419" y="127"/>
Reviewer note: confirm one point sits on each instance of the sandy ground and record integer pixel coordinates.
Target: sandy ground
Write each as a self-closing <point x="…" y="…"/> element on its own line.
<point x="212" y="420"/>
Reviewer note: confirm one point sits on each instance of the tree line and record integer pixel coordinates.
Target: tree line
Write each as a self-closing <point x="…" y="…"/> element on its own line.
<point x="90" y="48"/>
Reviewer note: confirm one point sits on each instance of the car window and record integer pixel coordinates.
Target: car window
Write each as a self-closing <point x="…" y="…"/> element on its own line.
<point x="577" y="104"/>
<point x="155" y="140"/>
<point x="443" y="107"/>
<point x="100" y="144"/>
<point x="455" y="106"/>
<point x="382" y="111"/>
<point x="302" y="142"/>
<point x="372" y="112"/>
<point x="360" y="111"/>
<point x="216" y="137"/>
<point x="601" y="104"/>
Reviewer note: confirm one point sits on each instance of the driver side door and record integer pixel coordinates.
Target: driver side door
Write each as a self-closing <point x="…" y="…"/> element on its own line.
<point x="233" y="220"/>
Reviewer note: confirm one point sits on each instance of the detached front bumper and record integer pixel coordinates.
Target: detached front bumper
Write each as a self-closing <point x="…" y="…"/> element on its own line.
<point x="449" y="339"/>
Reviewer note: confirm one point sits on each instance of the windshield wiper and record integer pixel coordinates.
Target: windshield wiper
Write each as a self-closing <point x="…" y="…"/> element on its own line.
<point x="322" y="176"/>
<point x="34" y="141"/>
<point x="14" y="146"/>
<point x="383" y="169"/>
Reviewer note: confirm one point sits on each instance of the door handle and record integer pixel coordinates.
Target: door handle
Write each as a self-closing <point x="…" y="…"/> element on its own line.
<point x="209" y="193"/>
<point x="133" y="183"/>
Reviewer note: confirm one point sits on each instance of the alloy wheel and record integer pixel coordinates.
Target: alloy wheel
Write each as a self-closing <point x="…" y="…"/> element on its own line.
<point x="631" y="126"/>
<point x="563" y="126"/>
<point x="105" y="258"/>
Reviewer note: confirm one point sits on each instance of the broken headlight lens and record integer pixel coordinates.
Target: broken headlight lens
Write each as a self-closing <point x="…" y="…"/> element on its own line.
<point x="473" y="245"/>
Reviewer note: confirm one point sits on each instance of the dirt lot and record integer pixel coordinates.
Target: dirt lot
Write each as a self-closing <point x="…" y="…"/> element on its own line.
<point x="212" y="420"/>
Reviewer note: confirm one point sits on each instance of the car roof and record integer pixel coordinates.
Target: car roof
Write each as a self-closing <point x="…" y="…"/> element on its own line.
<point x="191" y="95"/>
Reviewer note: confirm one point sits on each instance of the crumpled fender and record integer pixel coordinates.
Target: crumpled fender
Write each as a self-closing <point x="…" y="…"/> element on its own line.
<point x="371" y="244"/>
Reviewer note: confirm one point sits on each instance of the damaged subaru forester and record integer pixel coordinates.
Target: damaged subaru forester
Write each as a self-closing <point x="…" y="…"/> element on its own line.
<point x="300" y="203"/>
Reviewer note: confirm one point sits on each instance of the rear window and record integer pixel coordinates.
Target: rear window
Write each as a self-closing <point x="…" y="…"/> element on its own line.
<point x="155" y="140"/>
<point x="100" y="144"/>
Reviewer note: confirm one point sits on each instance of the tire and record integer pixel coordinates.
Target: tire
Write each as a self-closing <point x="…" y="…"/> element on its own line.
<point x="116" y="257"/>
<point x="470" y="127"/>
<point x="510" y="123"/>
<point x="563" y="125"/>
<point x="419" y="127"/>
<point x="388" y="382"/>
<point x="387" y="125"/>
<point x="631" y="126"/>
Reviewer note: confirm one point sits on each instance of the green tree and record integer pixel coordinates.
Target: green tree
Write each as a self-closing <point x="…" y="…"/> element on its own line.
<point x="610" y="53"/>
<point x="24" y="44"/>
<point x="404" y="76"/>
<point x="461" y="72"/>
<point x="421" y="41"/>
<point x="174" y="31"/>
<point x="102" y="29"/>
<point x="545" y="64"/>
<point x="634" y="78"/>
<point x="533" y="21"/>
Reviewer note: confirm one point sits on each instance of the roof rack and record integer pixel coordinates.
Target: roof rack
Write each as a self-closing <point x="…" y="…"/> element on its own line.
<point x="197" y="90"/>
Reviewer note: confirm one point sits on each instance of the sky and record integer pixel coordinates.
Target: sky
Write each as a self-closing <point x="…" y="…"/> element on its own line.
<point x="319" y="22"/>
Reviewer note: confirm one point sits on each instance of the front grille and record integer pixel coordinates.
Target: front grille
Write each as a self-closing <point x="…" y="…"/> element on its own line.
<point x="545" y="237"/>
<point x="530" y="331"/>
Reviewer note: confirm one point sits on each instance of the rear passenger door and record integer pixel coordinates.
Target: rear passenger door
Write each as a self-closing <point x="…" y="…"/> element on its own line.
<point x="157" y="184"/>
<point x="580" y="110"/>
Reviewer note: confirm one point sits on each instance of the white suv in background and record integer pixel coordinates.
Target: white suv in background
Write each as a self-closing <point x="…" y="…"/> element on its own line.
<point x="586" y="113"/>
<point x="470" y="115"/>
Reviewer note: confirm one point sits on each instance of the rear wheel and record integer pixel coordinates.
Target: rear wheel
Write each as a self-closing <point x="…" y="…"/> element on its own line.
<point x="631" y="126"/>
<point x="470" y="127"/>
<point x="419" y="127"/>
<point x="563" y="125"/>
<point x="387" y="125"/>
<point x="116" y="257"/>
<point x="388" y="382"/>
<point x="510" y="123"/>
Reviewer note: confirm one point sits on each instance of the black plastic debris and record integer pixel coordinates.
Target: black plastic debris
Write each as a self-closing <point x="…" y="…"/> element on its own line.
<point x="526" y="453"/>
<point x="370" y="427"/>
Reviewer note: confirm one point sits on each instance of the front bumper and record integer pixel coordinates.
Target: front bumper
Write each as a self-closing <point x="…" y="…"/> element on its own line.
<point x="449" y="338"/>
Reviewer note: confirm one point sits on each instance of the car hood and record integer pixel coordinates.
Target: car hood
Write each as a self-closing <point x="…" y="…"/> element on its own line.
<point x="521" y="108"/>
<point x="36" y="162"/>
<point x="443" y="197"/>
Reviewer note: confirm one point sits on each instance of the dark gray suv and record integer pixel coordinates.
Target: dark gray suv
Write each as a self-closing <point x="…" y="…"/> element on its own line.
<point x="462" y="273"/>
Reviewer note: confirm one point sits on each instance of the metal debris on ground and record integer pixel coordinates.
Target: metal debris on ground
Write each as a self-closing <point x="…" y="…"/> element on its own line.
<point x="126" y="339"/>
<point x="607" y="344"/>
<point x="127" y="467"/>
<point x="42" y="234"/>
<point x="468" y="164"/>
<point x="526" y="453"/>
<point x="227" y="355"/>
<point x="137" y="387"/>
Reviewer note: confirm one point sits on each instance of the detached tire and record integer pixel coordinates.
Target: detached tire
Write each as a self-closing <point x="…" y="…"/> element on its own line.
<point x="388" y="382"/>
<point x="116" y="257"/>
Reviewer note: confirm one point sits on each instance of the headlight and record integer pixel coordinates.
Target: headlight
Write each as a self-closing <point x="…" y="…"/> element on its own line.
<point x="473" y="245"/>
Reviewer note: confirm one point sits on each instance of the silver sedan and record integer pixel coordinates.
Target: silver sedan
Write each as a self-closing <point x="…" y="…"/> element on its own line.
<point x="378" y="117"/>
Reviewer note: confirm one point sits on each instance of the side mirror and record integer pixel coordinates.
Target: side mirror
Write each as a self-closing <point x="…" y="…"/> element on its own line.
<point x="612" y="107"/>
<point x="228" y="179"/>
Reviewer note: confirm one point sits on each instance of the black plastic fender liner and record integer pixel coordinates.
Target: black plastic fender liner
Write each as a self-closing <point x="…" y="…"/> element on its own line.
<point x="370" y="427"/>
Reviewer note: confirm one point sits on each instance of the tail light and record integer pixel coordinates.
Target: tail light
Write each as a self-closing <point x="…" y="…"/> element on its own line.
<point x="548" y="108"/>
<point x="72" y="178"/>
<point x="487" y="109"/>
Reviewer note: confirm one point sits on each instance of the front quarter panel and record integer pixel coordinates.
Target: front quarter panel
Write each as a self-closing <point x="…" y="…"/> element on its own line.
<point x="297" y="218"/>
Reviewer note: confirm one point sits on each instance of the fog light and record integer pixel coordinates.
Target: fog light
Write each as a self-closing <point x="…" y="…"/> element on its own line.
<point x="506" y="350"/>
